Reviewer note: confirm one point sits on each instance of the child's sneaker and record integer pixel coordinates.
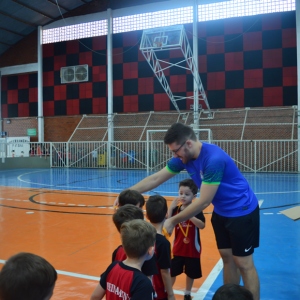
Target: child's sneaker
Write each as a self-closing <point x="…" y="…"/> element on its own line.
<point x="187" y="297"/>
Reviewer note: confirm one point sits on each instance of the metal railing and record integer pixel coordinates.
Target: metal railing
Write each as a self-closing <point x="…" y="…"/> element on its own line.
<point x="249" y="156"/>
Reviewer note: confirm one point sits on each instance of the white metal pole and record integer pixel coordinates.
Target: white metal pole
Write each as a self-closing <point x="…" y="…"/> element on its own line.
<point x="109" y="84"/>
<point x="40" y="86"/>
<point x="298" y="74"/>
<point x="0" y="104"/>
<point x="195" y="54"/>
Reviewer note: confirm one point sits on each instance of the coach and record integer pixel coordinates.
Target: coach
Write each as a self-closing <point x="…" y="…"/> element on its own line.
<point x="235" y="218"/>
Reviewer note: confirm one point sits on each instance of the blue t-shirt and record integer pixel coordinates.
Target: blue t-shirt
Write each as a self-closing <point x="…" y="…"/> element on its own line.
<point x="234" y="196"/>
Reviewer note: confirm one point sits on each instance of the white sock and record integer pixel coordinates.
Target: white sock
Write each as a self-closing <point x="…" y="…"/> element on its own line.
<point x="187" y="292"/>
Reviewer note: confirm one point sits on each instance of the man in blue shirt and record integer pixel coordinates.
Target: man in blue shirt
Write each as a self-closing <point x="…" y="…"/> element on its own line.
<point x="236" y="214"/>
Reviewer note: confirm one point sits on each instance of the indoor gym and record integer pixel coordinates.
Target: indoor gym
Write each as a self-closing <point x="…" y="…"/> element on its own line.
<point x="57" y="196"/>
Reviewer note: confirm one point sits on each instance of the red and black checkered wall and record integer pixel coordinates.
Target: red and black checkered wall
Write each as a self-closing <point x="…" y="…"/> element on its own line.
<point x="19" y="96"/>
<point x="243" y="62"/>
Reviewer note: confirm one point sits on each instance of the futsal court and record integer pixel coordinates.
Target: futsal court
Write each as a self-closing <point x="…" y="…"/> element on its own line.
<point x="65" y="216"/>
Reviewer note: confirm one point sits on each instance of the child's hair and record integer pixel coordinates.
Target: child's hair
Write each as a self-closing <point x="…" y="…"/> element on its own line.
<point x="137" y="237"/>
<point x="156" y="208"/>
<point x="26" y="276"/>
<point x="231" y="291"/>
<point x="127" y="213"/>
<point x="131" y="197"/>
<point x="191" y="184"/>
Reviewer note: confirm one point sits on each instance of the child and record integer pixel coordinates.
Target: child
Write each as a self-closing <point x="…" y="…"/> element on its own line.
<point x="156" y="211"/>
<point x="124" y="214"/>
<point x="134" y="197"/>
<point x="27" y="276"/>
<point x="231" y="291"/>
<point x="124" y="280"/>
<point x="131" y="197"/>
<point x="186" y="246"/>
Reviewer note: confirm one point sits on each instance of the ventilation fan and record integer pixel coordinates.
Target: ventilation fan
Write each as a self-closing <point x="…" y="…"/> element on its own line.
<point x="74" y="74"/>
<point x="67" y="74"/>
<point x="81" y="73"/>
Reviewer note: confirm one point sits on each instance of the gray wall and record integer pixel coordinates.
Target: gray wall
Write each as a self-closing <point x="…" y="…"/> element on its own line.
<point x="24" y="162"/>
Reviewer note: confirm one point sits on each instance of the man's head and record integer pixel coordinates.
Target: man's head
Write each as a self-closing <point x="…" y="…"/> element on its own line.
<point x="138" y="239"/>
<point x="231" y="291"/>
<point x="187" y="191"/>
<point x="180" y="139"/>
<point x="131" y="197"/>
<point x="127" y="213"/>
<point x="27" y="276"/>
<point x="156" y="209"/>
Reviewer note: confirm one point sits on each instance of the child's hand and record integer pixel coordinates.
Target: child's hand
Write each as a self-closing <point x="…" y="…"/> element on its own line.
<point x="172" y="297"/>
<point x="174" y="203"/>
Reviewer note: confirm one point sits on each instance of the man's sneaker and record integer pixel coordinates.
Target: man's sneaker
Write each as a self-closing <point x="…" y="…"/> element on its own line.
<point x="187" y="297"/>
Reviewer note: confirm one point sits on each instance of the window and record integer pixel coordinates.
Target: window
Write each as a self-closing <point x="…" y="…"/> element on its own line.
<point x="75" y="32"/>
<point x="240" y="8"/>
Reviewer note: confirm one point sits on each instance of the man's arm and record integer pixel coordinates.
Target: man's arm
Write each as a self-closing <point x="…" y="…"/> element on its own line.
<point x="150" y="182"/>
<point x="207" y="193"/>
<point x="98" y="293"/>
<point x="166" y="277"/>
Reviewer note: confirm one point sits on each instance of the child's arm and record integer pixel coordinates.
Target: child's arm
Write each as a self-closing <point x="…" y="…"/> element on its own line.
<point x="174" y="203"/>
<point x="198" y="223"/>
<point x="166" y="277"/>
<point x="98" y="293"/>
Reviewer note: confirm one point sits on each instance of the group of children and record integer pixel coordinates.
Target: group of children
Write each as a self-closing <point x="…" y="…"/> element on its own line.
<point x="143" y="267"/>
<point x="145" y="252"/>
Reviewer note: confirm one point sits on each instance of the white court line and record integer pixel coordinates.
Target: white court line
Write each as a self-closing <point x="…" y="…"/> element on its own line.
<point x="71" y="204"/>
<point x="71" y="274"/>
<point x="62" y="203"/>
<point x="268" y="213"/>
<point x="205" y="287"/>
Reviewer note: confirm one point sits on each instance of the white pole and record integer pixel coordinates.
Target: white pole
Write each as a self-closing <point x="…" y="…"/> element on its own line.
<point x="0" y="105"/>
<point x="298" y="74"/>
<point x="109" y="84"/>
<point x="40" y="86"/>
<point x="195" y="54"/>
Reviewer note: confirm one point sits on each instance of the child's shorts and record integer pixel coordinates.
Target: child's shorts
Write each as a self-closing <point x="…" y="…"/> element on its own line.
<point x="189" y="265"/>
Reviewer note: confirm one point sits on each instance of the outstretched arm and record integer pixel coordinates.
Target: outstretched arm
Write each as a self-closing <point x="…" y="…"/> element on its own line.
<point x="150" y="182"/>
<point x="207" y="193"/>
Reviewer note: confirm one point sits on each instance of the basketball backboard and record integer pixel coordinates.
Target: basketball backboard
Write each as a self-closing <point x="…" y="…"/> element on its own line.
<point x="163" y="38"/>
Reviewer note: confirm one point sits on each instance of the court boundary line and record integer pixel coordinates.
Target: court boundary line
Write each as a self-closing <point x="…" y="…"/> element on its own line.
<point x="94" y="278"/>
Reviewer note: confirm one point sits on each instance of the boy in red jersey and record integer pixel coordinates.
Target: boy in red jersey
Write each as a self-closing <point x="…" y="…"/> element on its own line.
<point x="124" y="214"/>
<point x="187" y="245"/>
<point x="124" y="280"/>
<point x="156" y="212"/>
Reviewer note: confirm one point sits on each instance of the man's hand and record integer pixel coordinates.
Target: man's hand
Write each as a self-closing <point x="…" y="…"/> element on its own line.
<point x="169" y="226"/>
<point x="116" y="204"/>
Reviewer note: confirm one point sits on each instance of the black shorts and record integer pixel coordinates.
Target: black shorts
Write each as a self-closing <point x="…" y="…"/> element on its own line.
<point x="189" y="265"/>
<point x="241" y="234"/>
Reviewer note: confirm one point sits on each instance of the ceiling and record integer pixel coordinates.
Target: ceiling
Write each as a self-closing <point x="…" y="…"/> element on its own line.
<point x="18" y="18"/>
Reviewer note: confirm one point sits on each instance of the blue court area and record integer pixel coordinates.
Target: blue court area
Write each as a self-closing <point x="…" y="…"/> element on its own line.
<point x="277" y="259"/>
